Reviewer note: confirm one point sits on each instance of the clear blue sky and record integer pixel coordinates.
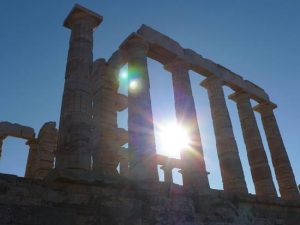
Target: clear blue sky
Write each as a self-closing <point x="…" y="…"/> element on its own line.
<point x="257" y="39"/>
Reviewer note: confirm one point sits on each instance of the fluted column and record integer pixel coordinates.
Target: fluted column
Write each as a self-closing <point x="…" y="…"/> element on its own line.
<point x="104" y="144"/>
<point x="73" y="152"/>
<point x="283" y="170"/>
<point x="140" y="119"/>
<point x="32" y="159"/>
<point x="229" y="159"/>
<point x="193" y="164"/>
<point x="260" y="169"/>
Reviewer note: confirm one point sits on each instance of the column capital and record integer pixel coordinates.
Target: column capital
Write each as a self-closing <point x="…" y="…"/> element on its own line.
<point x="265" y="107"/>
<point x="176" y="65"/>
<point x="80" y="13"/>
<point x="212" y="81"/>
<point x="134" y="45"/>
<point x="239" y="96"/>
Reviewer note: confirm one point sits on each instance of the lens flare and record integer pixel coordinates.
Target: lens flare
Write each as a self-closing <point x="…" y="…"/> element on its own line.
<point x="124" y="75"/>
<point x="173" y="139"/>
<point x="133" y="85"/>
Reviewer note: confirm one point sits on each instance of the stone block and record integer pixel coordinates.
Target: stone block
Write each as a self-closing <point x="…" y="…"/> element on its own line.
<point x="16" y="130"/>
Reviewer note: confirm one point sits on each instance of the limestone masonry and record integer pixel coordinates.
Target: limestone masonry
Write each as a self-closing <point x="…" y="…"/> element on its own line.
<point x="80" y="173"/>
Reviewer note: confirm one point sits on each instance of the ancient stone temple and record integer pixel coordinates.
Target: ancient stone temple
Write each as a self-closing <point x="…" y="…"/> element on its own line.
<point x="80" y="173"/>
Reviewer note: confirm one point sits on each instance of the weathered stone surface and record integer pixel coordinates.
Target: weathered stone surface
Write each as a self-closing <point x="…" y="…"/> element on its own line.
<point x="229" y="159"/>
<point x="86" y="188"/>
<point x="260" y="170"/>
<point x="140" y="118"/>
<point x="16" y="130"/>
<point x="40" y="159"/>
<point x="26" y="201"/>
<point x="164" y="49"/>
<point x="73" y="151"/>
<point x="193" y="164"/>
<point x="283" y="169"/>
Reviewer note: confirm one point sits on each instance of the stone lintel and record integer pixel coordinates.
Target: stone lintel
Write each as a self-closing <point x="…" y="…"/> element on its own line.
<point x="176" y="64"/>
<point x="211" y="80"/>
<point x="164" y="49"/>
<point x="16" y="130"/>
<point x="265" y="106"/>
<point x="132" y="40"/>
<point x="79" y="12"/>
<point x="239" y="95"/>
<point x="117" y="60"/>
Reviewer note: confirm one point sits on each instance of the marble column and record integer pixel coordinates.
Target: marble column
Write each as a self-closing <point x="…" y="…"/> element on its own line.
<point x="104" y="94"/>
<point x="168" y="177"/>
<point x="142" y="147"/>
<point x="283" y="170"/>
<point x="73" y="152"/>
<point x="229" y="159"/>
<point x="195" y="174"/>
<point x="260" y="169"/>
<point x="32" y="159"/>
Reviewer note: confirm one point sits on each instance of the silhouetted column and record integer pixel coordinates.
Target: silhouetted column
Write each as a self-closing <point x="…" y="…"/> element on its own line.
<point x="104" y="145"/>
<point x="229" y="159"/>
<point x="73" y="153"/>
<point x="283" y="170"/>
<point x="32" y="158"/>
<point x="168" y="177"/>
<point x="124" y="162"/>
<point x="260" y="169"/>
<point x="140" y="119"/>
<point x="195" y="175"/>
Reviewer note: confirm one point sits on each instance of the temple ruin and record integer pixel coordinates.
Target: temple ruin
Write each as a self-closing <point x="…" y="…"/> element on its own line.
<point x="82" y="174"/>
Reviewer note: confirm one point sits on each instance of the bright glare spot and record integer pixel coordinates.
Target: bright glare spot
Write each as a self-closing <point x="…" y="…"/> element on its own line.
<point x="133" y="85"/>
<point x="124" y="75"/>
<point x="173" y="139"/>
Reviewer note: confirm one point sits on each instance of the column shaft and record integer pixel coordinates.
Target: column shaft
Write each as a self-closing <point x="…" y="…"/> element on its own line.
<point x="283" y="170"/>
<point x="32" y="159"/>
<point x="168" y="177"/>
<point x="260" y="169"/>
<point x="195" y="175"/>
<point x="104" y="144"/>
<point x="230" y="163"/>
<point x="142" y="148"/>
<point x="73" y="151"/>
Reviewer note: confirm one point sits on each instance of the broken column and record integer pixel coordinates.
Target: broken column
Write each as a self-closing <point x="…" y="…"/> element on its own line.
<point x="193" y="164"/>
<point x="229" y="159"/>
<point x="107" y="137"/>
<point x="73" y="157"/>
<point x="283" y="170"/>
<point x="40" y="159"/>
<point x="260" y="169"/>
<point x="140" y="119"/>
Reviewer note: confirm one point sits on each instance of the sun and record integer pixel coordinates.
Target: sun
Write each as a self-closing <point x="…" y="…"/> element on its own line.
<point x="173" y="139"/>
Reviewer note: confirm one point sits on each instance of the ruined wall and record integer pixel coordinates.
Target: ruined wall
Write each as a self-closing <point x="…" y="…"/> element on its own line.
<point x="120" y="202"/>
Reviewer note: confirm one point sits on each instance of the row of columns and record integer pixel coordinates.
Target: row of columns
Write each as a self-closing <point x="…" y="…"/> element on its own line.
<point x="193" y="168"/>
<point x="76" y="116"/>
